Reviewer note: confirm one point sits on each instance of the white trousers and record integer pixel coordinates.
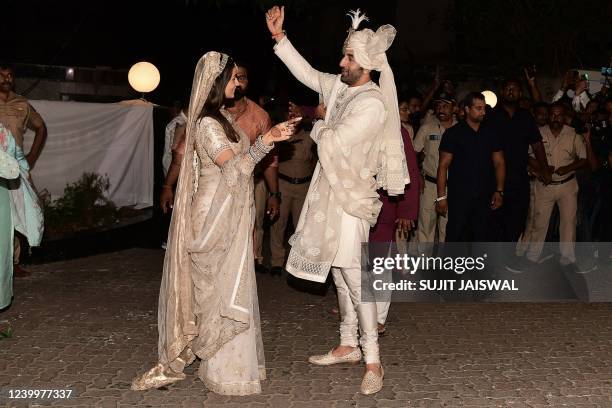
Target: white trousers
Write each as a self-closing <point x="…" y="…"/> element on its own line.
<point x="382" y="310"/>
<point x="355" y="314"/>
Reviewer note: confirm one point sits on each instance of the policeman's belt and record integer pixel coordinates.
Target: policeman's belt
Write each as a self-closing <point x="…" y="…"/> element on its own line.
<point x="431" y="179"/>
<point x="565" y="180"/>
<point x="294" y="180"/>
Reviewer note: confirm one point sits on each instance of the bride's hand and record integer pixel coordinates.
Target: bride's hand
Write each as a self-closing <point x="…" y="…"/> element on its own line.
<point x="281" y="132"/>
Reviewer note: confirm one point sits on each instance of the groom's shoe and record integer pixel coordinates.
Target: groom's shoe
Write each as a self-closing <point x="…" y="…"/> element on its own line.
<point x="353" y="357"/>
<point x="372" y="382"/>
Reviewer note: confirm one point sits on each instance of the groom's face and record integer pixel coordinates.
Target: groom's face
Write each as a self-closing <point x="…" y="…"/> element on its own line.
<point x="350" y="72"/>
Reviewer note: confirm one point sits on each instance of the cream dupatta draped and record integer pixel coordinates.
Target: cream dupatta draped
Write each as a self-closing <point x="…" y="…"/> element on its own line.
<point x="208" y="300"/>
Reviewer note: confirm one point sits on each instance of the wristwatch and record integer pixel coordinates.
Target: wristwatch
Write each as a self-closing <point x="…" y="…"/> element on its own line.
<point x="277" y="195"/>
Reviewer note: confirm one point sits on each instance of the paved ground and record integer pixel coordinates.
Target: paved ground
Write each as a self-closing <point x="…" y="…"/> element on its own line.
<point x="90" y="325"/>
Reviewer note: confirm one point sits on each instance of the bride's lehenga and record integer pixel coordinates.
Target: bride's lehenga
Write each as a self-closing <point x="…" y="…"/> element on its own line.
<point x="208" y="298"/>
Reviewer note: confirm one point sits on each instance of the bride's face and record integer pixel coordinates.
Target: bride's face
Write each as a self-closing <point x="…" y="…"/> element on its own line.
<point x="231" y="85"/>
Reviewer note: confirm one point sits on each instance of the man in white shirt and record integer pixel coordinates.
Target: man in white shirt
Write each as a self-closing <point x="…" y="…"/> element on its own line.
<point x="426" y="144"/>
<point x="575" y="89"/>
<point x="172" y="126"/>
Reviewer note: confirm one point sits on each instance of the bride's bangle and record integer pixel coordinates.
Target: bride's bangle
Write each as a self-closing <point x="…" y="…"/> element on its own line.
<point x="259" y="149"/>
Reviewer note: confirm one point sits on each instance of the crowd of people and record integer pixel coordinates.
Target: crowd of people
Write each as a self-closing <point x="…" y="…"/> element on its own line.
<point x="459" y="171"/>
<point x="556" y="178"/>
<point x="525" y="171"/>
<point x="365" y="165"/>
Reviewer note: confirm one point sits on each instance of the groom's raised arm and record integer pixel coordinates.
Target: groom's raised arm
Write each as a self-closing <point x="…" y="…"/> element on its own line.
<point x="299" y="67"/>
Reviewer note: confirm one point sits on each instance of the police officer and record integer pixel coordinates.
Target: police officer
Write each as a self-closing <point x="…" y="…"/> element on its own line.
<point x="565" y="152"/>
<point x="296" y="162"/>
<point x="426" y="143"/>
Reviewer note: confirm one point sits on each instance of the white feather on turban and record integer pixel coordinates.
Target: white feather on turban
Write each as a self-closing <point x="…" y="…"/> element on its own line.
<point x="369" y="50"/>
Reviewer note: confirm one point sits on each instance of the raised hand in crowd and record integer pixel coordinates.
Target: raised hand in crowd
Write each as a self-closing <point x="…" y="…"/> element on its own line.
<point x="536" y="94"/>
<point x="581" y="86"/>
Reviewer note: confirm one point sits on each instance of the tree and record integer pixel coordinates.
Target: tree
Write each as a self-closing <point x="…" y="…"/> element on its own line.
<point x="554" y="34"/>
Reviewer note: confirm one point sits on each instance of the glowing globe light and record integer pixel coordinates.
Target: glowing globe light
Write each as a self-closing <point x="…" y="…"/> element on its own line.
<point x="490" y="98"/>
<point x="143" y="77"/>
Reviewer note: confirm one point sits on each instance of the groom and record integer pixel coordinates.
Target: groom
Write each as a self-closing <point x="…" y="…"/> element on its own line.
<point x="360" y="149"/>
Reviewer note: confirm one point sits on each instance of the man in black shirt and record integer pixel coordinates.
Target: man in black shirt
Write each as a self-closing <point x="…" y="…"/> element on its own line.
<point x="471" y="155"/>
<point x="517" y="130"/>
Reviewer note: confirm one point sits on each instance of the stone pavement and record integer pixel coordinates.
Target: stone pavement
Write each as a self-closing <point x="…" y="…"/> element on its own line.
<point x="90" y="325"/>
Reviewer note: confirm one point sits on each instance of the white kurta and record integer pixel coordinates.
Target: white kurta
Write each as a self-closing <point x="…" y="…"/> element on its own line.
<point x="179" y="120"/>
<point x="357" y="129"/>
<point x="353" y="230"/>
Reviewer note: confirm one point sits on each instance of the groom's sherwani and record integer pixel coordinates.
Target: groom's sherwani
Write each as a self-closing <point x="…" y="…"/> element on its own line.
<point x="342" y="202"/>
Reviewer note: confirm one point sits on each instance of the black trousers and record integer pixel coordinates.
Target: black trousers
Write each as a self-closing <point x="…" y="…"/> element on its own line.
<point x="468" y="216"/>
<point x="508" y="222"/>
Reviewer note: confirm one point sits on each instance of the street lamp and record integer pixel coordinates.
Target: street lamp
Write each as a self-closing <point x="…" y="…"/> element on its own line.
<point x="143" y="77"/>
<point x="490" y="98"/>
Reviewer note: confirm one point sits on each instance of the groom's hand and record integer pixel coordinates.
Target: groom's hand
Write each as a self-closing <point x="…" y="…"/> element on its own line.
<point x="274" y="19"/>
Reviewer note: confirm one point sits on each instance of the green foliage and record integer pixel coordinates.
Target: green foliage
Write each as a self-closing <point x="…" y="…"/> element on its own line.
<point x="6" y="334"/>
<point x="83" y="206"/>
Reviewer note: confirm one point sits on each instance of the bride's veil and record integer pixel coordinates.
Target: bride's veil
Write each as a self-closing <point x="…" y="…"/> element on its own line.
<point x="175" y="320"/>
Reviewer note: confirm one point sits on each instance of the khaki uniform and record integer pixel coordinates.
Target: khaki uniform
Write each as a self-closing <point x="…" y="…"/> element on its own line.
<point x="563" y="191"/>
<point x="296" y="161"/>
<point x="526" y="238"/>
<point x="427" y="141"/>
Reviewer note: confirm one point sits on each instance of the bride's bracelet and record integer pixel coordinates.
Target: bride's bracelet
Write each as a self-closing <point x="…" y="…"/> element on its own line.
<point x="259" y="149"/>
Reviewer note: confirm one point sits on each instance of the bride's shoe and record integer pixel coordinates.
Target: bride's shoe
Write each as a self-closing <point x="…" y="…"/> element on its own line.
<point x="155" y="378"/>
<point x="372" y="383"/>
<point x="353" y="357"/>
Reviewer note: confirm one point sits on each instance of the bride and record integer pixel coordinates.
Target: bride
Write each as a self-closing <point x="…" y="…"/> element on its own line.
<point x="208" y="298"/>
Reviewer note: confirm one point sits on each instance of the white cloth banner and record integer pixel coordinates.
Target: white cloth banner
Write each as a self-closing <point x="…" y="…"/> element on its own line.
<point x="108" y="139"/>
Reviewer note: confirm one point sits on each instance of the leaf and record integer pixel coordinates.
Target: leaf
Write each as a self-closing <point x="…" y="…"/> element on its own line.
<point x="6" y="334"/>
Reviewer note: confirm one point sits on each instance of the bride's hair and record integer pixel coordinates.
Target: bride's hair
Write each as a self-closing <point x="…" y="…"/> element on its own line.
<point x="216" y="97"/>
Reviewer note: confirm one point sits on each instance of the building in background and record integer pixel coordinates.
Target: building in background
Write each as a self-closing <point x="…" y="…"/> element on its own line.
<point x="61" y="83"/>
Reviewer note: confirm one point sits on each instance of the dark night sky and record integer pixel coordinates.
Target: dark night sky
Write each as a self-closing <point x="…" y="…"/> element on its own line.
<point x="172" y="34"/>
